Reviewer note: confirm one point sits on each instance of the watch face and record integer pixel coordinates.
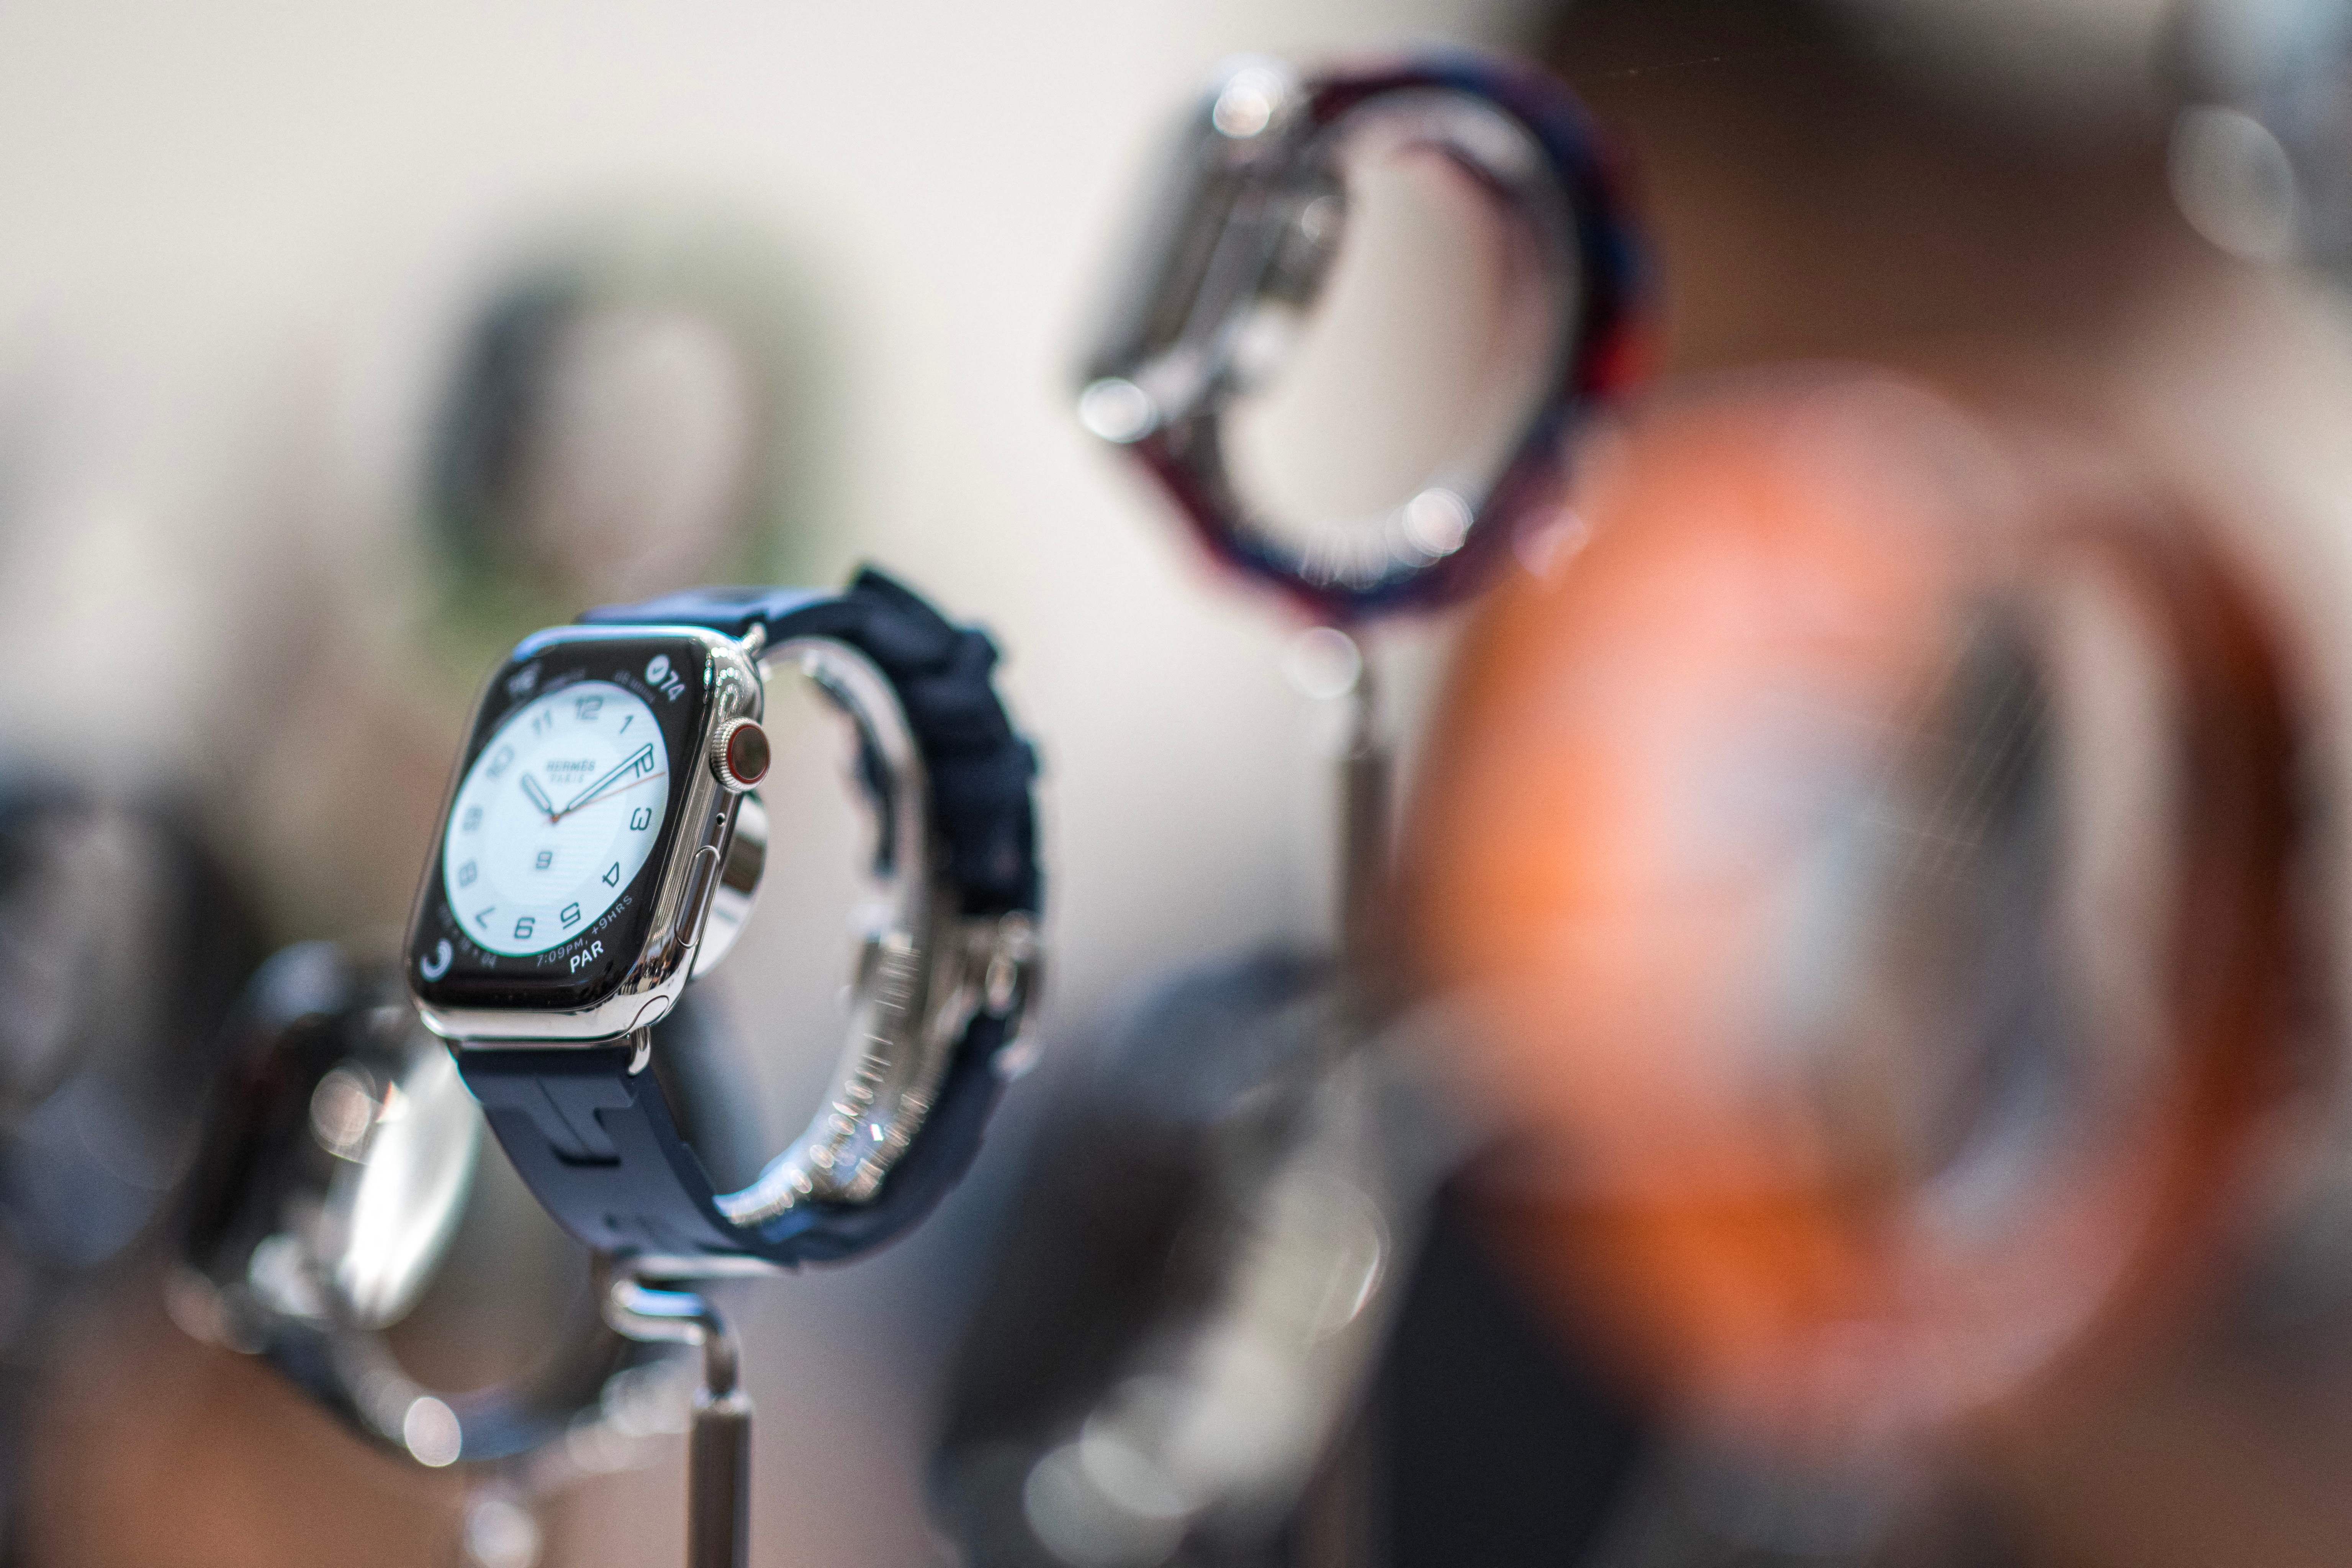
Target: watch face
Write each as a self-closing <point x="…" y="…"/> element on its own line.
<point x="555" y="817"/>
<point x="555" y="839"/>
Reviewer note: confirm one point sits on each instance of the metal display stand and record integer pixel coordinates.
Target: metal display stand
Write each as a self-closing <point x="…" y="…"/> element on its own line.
<point x="719" y="1449"/>
<point x="1323" y="1198"/>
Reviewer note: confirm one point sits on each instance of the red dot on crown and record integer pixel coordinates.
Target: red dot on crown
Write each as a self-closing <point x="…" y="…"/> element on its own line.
<point x="747" y="753"/>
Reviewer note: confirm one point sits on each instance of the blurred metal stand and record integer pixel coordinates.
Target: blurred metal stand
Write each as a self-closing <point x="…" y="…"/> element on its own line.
<point x="719" y="1453"/>
<point x="1219" y="1416"/>
<point x="1244" y="1194"/>
<point x="1367" y="774"/>
<point x="1337" y="1527"/>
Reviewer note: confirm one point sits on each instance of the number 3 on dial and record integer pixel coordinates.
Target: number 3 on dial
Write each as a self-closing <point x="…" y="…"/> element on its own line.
<point x="558" y="813"/>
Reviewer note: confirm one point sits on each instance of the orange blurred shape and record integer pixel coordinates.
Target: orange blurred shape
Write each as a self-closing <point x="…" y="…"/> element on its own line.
<point x="1859" y="871"/>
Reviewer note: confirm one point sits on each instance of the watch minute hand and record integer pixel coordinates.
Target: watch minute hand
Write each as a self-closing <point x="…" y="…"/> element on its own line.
<point x="640" y="758"/>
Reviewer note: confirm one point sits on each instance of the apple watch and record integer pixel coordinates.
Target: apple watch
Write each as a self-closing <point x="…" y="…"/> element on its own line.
<point x="1249" y="218"/>
<point x="603" y="845"/>
<point x="342" y="1162"/>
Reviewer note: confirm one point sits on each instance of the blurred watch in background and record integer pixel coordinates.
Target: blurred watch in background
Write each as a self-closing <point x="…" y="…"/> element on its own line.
<point x="122" y="940"/>
<point x="1865" y="888"/>
<point x="350" y="1225"/>
<point x="1277" y="185"/>
<point x="625" y="416"/>
<point x="1212" y="1231"/>
<point x="1217" y="1224"/>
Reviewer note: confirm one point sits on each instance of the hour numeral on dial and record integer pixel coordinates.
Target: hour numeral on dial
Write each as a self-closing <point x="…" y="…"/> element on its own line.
<point x="482" y="915"/>
<point x="541" y="723"/>
<point x="571" y="916"/>
<point x="465" y="874"/>
<point x="522" y="927"/>
<point x="613" y="874"/>
<point x="501" y="763"/>
<point x="544" y="859"/>
<point x="641" y="818"/>
<point x="627" y="719"/>
<point x="472" y="819"/>
<point x="587" y="708"/>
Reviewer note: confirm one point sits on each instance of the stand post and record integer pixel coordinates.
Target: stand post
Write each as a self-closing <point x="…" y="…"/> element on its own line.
<point x="718" y="1452"/>
<point x="718" y="1481"/>
<point x="1365" y="769"/>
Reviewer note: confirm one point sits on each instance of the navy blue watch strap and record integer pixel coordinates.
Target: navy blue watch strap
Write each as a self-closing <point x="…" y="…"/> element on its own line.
<point x="602" y="1147"/>
<point x="980" y="767"/>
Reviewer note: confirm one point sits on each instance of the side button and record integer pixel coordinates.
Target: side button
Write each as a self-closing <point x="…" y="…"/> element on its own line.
<point x="701" y="881"/>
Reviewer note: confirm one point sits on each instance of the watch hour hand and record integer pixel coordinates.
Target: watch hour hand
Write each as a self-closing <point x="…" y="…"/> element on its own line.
<point x="530" y="786"/>
<point x="639" y="761"/>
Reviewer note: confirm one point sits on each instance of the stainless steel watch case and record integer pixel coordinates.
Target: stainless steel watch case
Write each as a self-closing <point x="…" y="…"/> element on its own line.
<point x="696" y="862"/>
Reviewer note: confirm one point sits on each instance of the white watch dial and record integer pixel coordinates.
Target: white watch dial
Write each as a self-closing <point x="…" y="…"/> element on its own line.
<point x="555" y="817"/>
